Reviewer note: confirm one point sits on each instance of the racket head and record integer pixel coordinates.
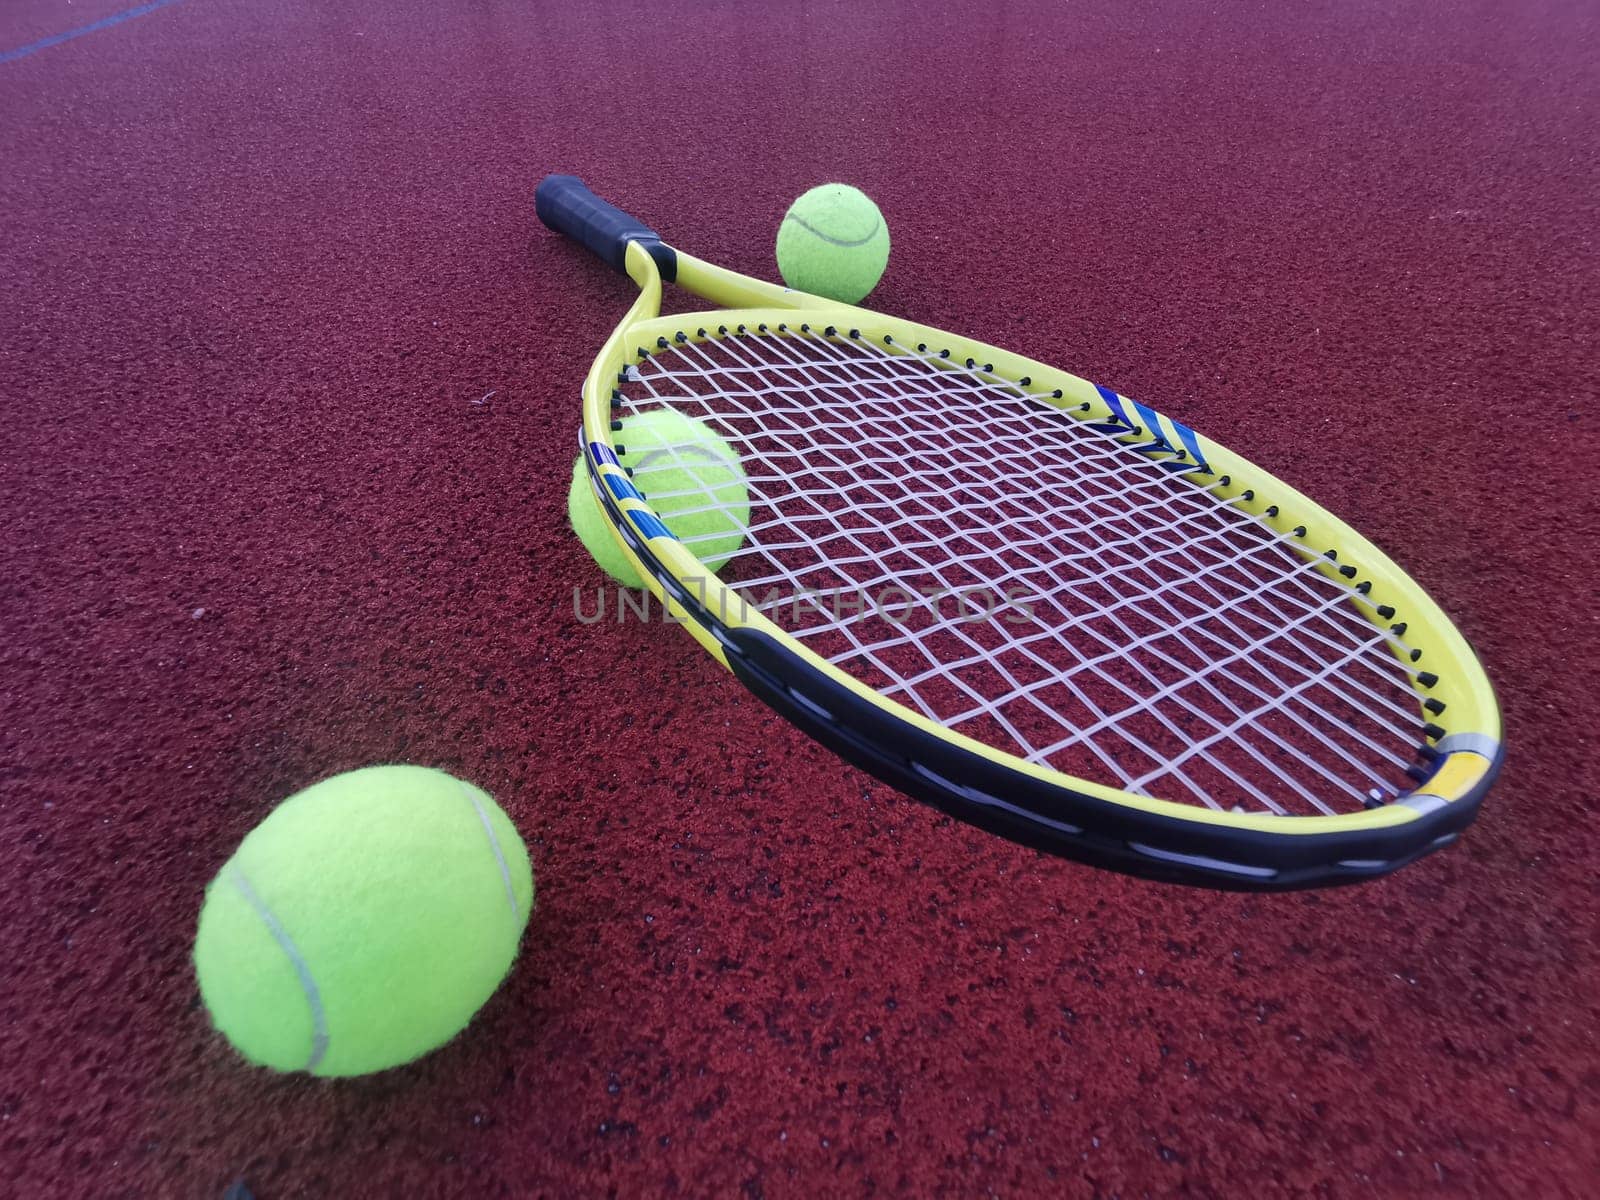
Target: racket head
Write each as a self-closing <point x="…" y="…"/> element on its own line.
<point x="1090" y="819"/>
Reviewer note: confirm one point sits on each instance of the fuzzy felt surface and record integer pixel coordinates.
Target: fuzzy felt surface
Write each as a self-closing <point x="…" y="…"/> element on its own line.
<point x="690" y="475"/>
<point x="364" y="922"/>
<point x="589" y="523"/>
<point x="291" y="374"/>
<point x="833" y="242"/>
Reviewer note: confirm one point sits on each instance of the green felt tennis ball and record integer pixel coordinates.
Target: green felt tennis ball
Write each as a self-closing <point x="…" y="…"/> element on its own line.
<point x="364" y="922"/>
<point x="687" y="472"/>
<point x="583" y="510"/>
<point x="834" y="243"/>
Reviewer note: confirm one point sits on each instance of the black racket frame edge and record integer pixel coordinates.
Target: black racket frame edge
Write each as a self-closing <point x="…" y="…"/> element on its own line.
<point x="1060" y="821"/>
<point x="1047" y="816"/>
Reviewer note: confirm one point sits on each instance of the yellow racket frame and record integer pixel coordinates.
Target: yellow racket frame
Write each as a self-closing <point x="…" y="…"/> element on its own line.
<point x="1468" y="745"/>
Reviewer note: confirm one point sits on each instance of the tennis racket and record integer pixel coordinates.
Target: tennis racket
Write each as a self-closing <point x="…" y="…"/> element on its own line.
<point x="1030" y="601"/>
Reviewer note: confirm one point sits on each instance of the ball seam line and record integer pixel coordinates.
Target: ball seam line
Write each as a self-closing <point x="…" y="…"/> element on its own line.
<point x="308" y="983"/>
<point x="676" y="454"/>
<point x="813" y="230"/>
<point x="494" y="845"/>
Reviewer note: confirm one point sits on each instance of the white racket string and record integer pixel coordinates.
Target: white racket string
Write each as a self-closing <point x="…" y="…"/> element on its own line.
<point x="1087" y="732"/>
<point x="1115" y="651"/>
<point x="1151" y="525"/>
<point x="1189" y="649"/>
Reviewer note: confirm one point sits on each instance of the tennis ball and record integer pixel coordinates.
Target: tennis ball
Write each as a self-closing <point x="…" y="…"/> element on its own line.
<point x="583" y="510"/>
<point x="834" y="243"/>
<point x="364" y="922"/>
<point x="689" y="474"/>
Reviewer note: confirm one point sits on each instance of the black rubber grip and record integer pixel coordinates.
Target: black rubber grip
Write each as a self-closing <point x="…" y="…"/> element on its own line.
<point x="567" y="206"/>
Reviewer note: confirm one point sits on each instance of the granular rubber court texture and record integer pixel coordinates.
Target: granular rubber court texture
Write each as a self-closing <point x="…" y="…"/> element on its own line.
<point x="290" y="375"/>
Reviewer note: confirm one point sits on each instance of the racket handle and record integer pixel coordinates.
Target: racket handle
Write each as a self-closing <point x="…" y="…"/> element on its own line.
<point x="567" y="206"/>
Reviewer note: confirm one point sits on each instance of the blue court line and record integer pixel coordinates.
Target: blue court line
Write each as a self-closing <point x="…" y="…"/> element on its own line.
<point x="93" y="27"/>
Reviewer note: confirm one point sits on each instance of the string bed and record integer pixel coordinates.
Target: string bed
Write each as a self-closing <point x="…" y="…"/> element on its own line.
<point x="1021" y="577"/>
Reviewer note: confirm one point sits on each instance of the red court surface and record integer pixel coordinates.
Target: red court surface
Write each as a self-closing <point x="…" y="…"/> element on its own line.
<point x="290" y="374"/>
